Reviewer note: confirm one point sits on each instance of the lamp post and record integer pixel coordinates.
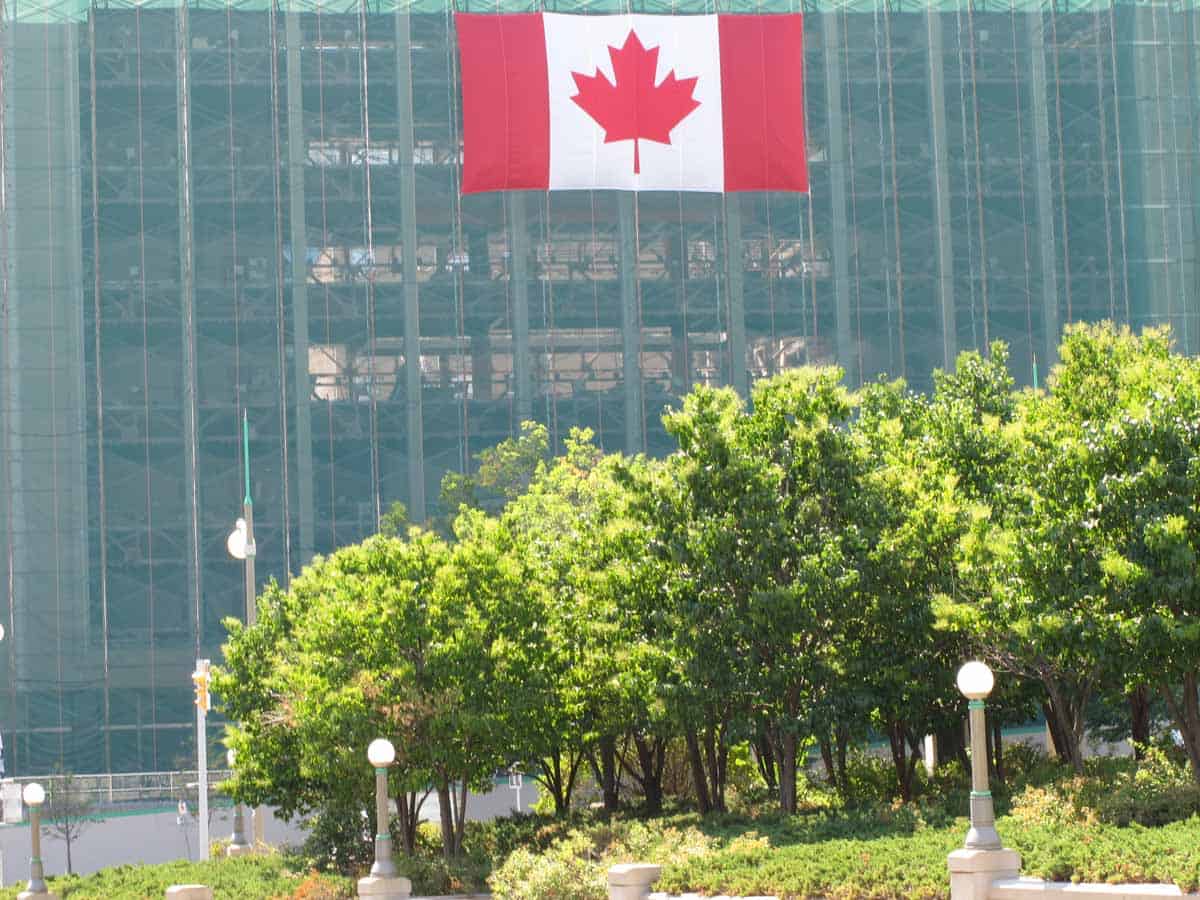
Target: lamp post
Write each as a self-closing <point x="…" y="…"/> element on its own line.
<point x="34" y="796"/>
<point x="237" y="842"/>
<point x="240" y="545"/>
<point x="975" y="681"/>
<point x="382" y="754"/>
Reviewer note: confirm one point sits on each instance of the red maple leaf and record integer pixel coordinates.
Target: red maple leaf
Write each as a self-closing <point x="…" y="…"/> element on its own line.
<point x="634" y="108"/>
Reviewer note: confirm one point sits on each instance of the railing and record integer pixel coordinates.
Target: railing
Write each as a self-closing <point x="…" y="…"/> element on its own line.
<point x="116" y="789"/>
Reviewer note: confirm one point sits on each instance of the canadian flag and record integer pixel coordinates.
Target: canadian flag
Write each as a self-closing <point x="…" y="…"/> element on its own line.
<point x="632" y="102"/>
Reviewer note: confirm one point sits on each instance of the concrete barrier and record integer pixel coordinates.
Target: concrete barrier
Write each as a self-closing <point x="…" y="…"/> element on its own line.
<point x="996" y="875"/>
<point x="384" y="888"/>
<point x="1032" y="888"/>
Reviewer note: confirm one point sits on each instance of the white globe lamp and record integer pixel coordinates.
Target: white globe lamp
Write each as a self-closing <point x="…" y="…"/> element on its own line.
<point x="975" y="680"/>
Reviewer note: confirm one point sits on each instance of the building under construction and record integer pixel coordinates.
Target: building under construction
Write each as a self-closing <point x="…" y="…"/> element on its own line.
<point x="214" y="208"/>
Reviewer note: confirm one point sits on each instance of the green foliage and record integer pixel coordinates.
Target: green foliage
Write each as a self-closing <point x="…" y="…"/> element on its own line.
<point x="1155" y="790"/>
<point x="502" y="472"/>
<point x="395" y="521"/>
<point x="259" y="877"/>
<point x="809" y="566"/>
<point x="558" y="874"/>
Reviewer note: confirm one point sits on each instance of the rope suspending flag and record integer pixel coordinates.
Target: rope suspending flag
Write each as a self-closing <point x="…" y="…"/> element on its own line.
<point x="632" y="102"/>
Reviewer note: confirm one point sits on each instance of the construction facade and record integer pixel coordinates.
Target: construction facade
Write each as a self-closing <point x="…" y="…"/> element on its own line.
<point x="216" y="209"/>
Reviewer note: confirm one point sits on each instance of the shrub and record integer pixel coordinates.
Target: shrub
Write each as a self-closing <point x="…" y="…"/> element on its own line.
<point x="562" y="873"/>
<point x="870" y="779"/>
<point x="1158" y="791"/>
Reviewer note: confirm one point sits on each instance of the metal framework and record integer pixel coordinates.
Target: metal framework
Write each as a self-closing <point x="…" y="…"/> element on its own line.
<point x="214" y="208"/>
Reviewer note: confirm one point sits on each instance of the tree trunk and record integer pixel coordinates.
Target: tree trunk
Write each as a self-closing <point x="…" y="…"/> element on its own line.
<point x="766" y="759"/>
<point x="898" y="743"/>
<point x="716" y="755"/>
<point x="608" y="773"/>
<point x="1185" y="711"/>
<point x="1139" y="720"/>
<point x="827" y="759"/>
<point x="842" y="738"/>
<point x="71" y="868"/>
<point x="460" y="820"/>
<point x="446" y="811"/>
<point x="1065" y="729"/>
<point x="553" y="779"/>
<point x="723" y="769"/>
<point x="950" y="745"/>
<point x="651" y="758"/>
<point x="559" y="781"/>
<point x="699" y="778"/>
<point x="785" y="747"/>
<point x="409" y="807"/>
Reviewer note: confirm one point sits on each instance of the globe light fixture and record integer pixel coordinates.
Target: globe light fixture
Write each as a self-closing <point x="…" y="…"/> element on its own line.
<point x="34" y="796"/>
<point x="975" y="681"/>
<point x="236" y="542"/>
<point x="382" y="754"/>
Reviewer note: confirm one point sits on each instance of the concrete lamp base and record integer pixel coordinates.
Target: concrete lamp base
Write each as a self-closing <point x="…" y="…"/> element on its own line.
<point x="384" y="888"/>
<point x="239" y="850"/>
<point x="632" y="881"/>
<point x="972" y="872"/>
<point x="189" y="892"/>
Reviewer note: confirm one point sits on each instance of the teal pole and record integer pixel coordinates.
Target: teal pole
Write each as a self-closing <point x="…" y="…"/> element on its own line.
<point x="245" y="444"/>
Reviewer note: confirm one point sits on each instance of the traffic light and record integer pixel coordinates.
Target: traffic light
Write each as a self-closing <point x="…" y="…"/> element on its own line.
<point x="200" y="680"/>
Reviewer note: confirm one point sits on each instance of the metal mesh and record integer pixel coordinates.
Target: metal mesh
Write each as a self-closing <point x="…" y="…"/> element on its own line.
<point x="214" y="208"/>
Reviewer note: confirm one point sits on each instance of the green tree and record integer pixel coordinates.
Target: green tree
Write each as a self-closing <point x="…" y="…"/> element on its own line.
<point x="1036" y="601"/>
<point x="490" y="638"/>
<point x="340" y="658"/>
<point x="560" y="527"/>
<point x="703" y="509"/>
<point x="913" y="516"/>
<point x="502" y="473"/>
<point x="1149" y="476"/>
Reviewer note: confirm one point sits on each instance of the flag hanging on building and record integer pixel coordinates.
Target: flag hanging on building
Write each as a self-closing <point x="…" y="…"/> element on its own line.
<point x="632" y="102"/>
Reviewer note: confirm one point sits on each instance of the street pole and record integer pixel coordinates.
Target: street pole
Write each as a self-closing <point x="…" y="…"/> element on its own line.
<point x="975" y="681"/>
<point x="34" y="796"/>
<point x="200" y="677"/>
<point x="37" y="874"/>
<point x="259" y="814"/>
<point x="382" y="754"/>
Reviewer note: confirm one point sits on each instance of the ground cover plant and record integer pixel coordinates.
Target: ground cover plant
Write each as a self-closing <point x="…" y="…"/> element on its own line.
<point x="1067" y="826"/>
<point x="271" y="876"/>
